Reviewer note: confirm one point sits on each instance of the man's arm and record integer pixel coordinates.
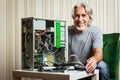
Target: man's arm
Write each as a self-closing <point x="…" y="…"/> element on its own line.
<point x="98" y="54"/>
<point x="92" y="61"/>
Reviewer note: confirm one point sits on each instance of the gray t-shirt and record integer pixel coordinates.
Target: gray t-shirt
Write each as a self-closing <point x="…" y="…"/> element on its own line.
<point x="82" y="44"/>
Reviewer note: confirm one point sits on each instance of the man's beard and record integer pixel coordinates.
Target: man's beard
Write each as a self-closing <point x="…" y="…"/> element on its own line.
<point x="81" y="28"/>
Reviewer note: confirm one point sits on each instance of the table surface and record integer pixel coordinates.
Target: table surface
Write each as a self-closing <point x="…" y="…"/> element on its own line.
<point x="68" y="75"/>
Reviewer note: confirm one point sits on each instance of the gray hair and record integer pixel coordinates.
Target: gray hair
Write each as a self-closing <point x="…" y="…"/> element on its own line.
<point x="88" y="10"/>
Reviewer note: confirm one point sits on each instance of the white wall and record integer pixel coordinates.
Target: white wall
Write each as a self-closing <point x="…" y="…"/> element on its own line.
<point x="106" y="16"/>
<point x="3" y="40"/>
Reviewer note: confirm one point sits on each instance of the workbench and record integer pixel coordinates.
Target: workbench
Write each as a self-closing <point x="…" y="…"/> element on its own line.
<point x="68" y="75"/>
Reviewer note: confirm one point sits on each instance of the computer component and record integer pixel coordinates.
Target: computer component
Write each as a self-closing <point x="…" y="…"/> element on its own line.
<point x="43" y="42"/>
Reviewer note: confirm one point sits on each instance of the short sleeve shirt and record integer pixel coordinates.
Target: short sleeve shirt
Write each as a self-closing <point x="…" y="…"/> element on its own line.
<point x="82" y="44"/>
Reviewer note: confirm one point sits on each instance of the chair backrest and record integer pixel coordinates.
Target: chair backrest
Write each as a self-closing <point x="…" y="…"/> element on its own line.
<point x="111" y="53"/>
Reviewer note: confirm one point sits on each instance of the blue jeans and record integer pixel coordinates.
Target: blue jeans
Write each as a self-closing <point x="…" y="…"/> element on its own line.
<point x="104" y="71"/>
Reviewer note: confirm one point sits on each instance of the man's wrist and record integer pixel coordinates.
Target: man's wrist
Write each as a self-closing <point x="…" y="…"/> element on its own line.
<point x="95" y="59"/>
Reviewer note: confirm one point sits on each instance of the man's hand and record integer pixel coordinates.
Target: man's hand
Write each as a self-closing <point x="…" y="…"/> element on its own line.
<point x="91" y="64"/>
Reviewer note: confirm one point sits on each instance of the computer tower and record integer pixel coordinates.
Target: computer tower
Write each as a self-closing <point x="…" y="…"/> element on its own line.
<point x="43" y="42"/>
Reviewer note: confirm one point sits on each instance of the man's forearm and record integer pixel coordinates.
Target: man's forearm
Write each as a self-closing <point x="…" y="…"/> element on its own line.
<point x="98" y="54"/>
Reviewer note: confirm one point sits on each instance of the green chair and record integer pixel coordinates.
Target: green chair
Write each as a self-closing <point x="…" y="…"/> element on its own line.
<point x="111" y="53"/>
